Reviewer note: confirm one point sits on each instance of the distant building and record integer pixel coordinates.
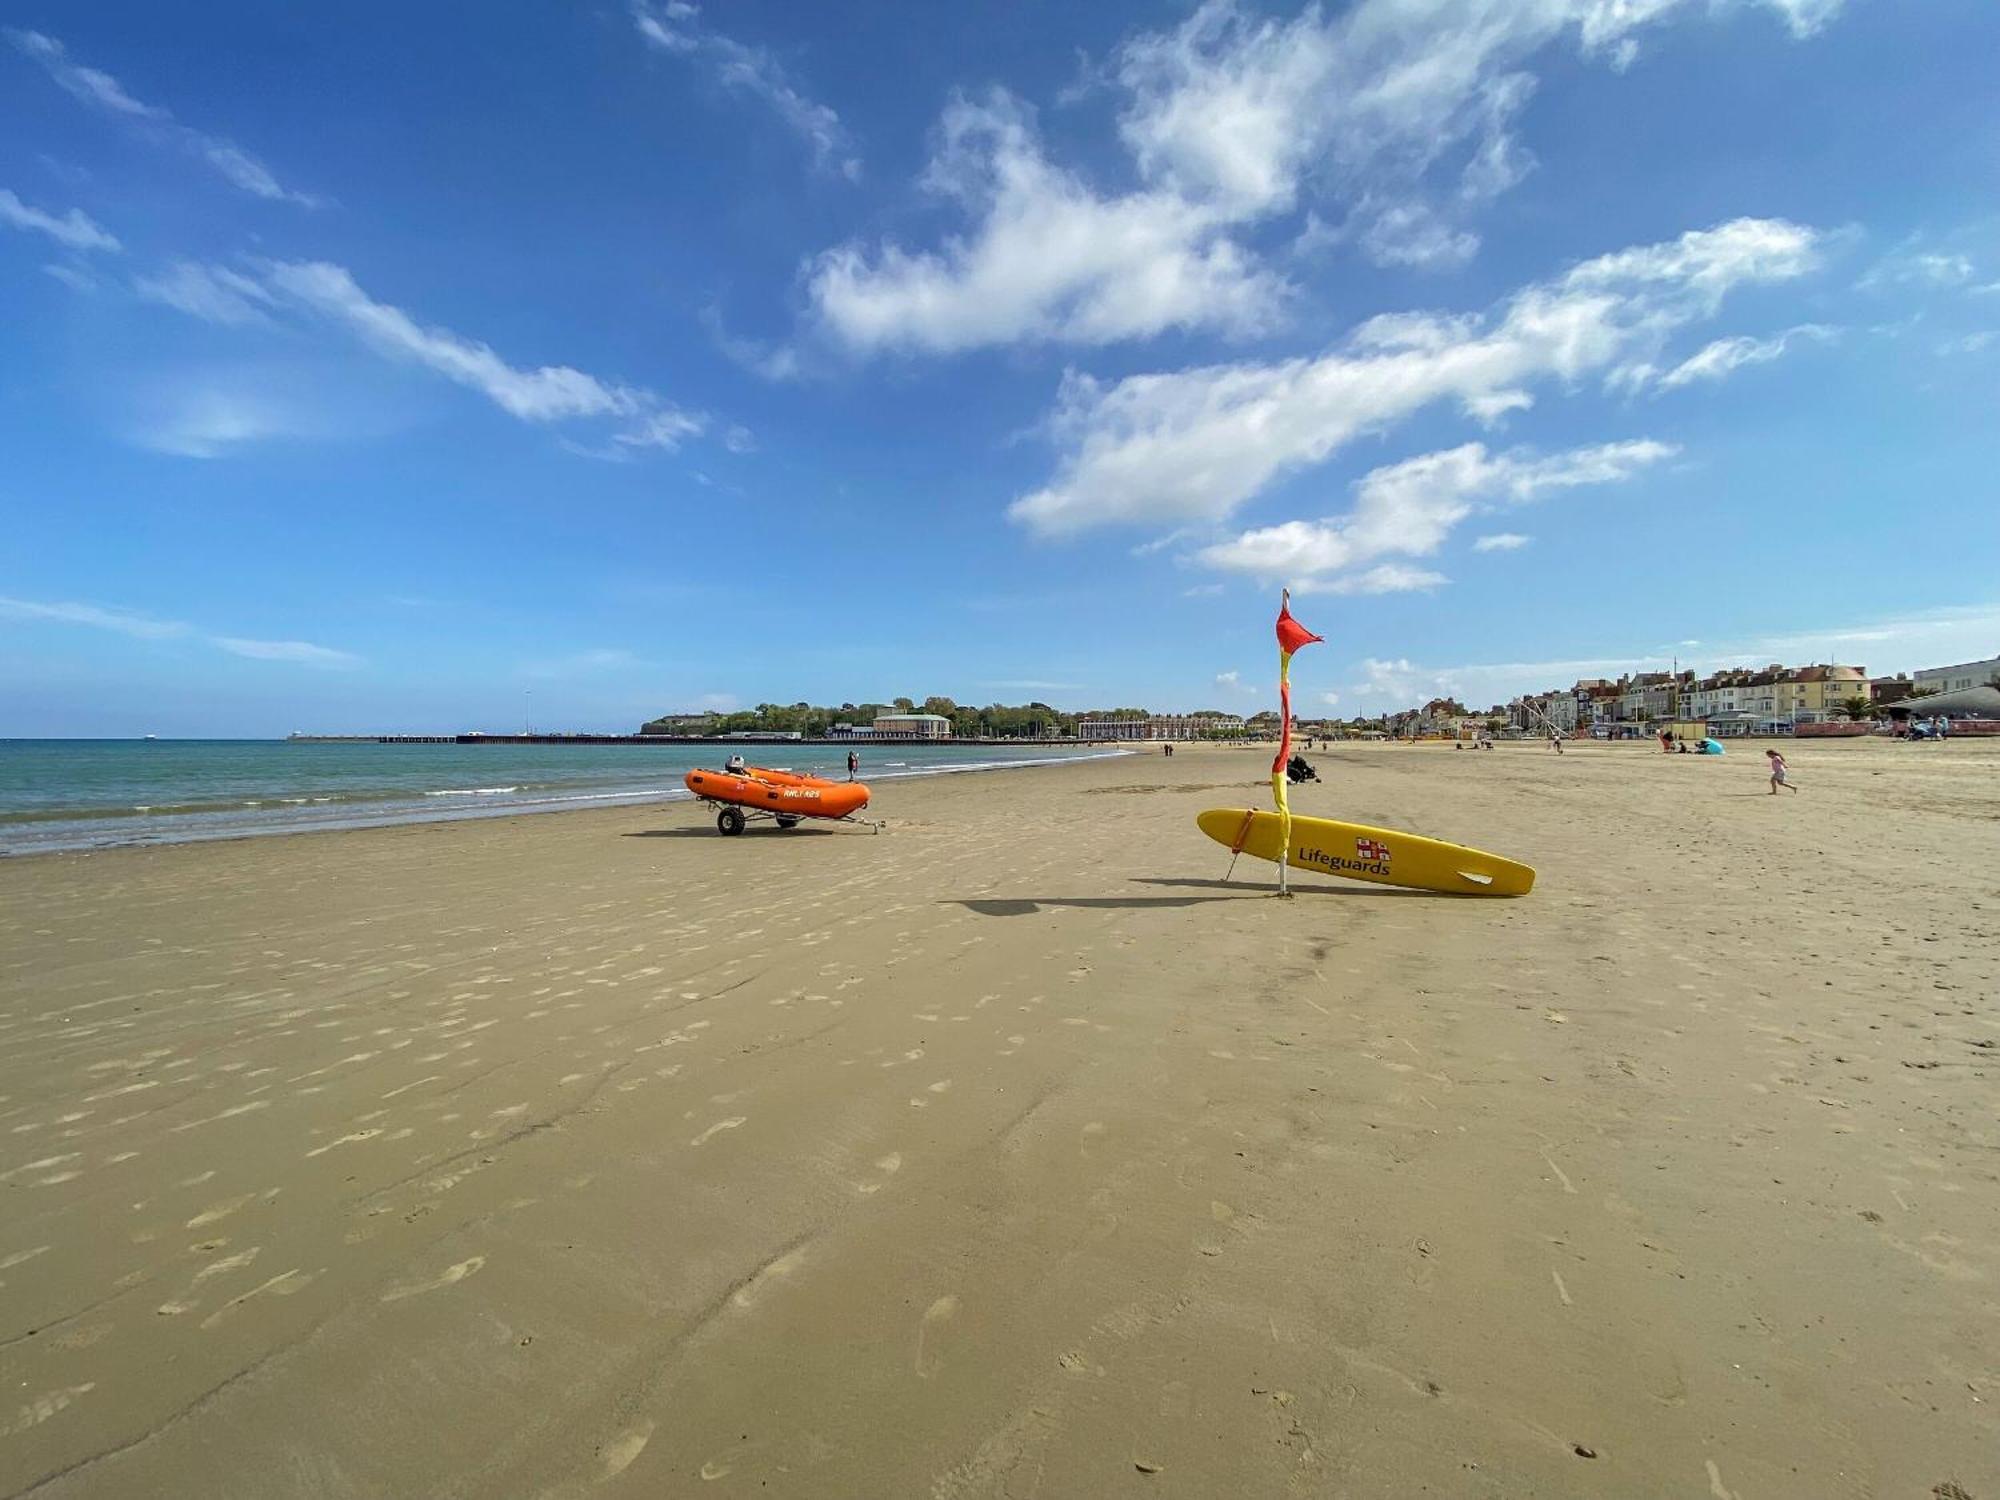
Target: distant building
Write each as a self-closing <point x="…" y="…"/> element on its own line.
<point x="910" y="727"/>
<point x="1816" y="695"/>
<point x="1887" y="690"/>
<point x="1952" y="679"/>
<point x="1162" y="727"/>
<point x="1737" y="700"/>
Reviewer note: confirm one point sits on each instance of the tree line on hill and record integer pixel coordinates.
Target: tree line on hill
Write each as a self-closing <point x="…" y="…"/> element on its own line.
<point x="994" y="721"/>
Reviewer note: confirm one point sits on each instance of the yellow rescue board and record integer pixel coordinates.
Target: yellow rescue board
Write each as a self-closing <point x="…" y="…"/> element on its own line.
<point x="1355" y="851"/>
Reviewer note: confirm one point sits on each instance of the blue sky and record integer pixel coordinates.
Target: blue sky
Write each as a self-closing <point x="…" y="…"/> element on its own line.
<point x="421" y="368"/>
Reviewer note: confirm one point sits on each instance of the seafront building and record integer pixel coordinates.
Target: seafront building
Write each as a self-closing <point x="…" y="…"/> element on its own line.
<point x="1958" y="677"/>
<point x="895" y="726"/>
<point x="1773" y="699"/>
<point x="1162" y="727"/>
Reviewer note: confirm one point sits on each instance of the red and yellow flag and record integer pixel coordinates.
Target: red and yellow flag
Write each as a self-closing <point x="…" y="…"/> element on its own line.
<point x="1291" y="637"/>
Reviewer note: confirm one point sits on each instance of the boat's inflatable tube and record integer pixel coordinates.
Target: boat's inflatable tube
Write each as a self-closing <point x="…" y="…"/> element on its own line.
<point x="780" y="792"/>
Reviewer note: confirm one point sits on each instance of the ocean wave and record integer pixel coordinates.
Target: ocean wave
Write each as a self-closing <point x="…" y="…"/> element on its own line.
<point x="184" y="822"/>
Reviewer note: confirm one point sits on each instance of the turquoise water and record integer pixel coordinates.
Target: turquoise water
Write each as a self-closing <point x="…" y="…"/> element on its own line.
<point x="86" y="794"/>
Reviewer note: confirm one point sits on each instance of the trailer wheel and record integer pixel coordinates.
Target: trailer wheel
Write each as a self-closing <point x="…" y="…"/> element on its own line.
<point x="786" y="820"/>
<point x="730" y="820"/>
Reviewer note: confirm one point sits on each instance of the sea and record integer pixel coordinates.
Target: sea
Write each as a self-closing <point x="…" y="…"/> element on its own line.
<point x="94" y="794"/>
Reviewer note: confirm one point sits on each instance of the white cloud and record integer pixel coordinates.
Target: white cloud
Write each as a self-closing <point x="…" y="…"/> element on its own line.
<point x="1370" y="104"/>
<point x="1384" y="578"/>
<point x="145" y="627"/>
<point x="1716" y="360"/>
<point x="74" y="230"/>
<point x="550" y="393"/>
<point x="676" y="28"/>
<point x="775" y="362"/>
<point x="1049" y="260"/>
<point x="305" y="653"/>
<point x="1398" y="115"/>
<point x="102" y="91"/>
<point x="664" y="427"/>
<point x="1409" y="508"/>
<point x="1918" y="262"/>
<point x="73" y="277"/>
<point x="1491" y="408"/>
<point x="1806" y="16"/>
<point x="1232" y="682"/>
<point x="1168" y="449"/>
<point x="1412" y="235"/>
<point x="214" y="294"/>
<point x="98" y="617"/>
<point x="1331" y="700"/>
<point x="1501" y="541"/>
<point x="1940" y="270"/>
<point x="204" y="421"/>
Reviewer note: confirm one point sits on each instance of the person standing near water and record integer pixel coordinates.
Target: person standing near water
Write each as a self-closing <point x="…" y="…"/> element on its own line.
<point x="1780" y="773"/>
<point x="853" y="764"/>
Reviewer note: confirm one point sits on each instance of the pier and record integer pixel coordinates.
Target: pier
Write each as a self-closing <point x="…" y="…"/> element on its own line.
<point x="476" y="738"/>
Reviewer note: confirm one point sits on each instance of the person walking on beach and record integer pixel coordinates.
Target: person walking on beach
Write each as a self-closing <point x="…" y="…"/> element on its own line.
<point x="853" y="763"/>
<point x="1780" y="773"/>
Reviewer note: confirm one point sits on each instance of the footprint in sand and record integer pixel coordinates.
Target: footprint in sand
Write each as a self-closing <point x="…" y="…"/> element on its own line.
<point x="616" y="1456"/>
<point x="720" y="1125"/>
<point x="451" y="1277"/>
<point x="776" y="1270"/>
<point x="39" y="1410"/>
<point x="929" y="1361"/>
<point x="219" y="1211"/>
<point x="888" y="1166"/>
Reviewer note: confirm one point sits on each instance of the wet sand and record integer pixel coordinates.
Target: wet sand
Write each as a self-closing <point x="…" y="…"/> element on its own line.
<point x="1011" y="1153"/>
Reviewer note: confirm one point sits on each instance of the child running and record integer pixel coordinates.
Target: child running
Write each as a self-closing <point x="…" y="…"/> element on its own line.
<point x="1780" y="774"/>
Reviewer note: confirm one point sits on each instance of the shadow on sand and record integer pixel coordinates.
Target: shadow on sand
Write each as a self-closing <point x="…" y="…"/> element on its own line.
<point x="1358" y="888"/>
<point x="1026" y="906"/>
<point x="708" y="831"/>
<point x="1238" y="890"/>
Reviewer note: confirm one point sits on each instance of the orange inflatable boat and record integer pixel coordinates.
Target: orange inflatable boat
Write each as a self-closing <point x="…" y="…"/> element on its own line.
<point x="780" y="795"/>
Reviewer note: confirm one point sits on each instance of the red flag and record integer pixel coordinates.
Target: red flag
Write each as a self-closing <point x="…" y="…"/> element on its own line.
<point x="1291" y="634"/>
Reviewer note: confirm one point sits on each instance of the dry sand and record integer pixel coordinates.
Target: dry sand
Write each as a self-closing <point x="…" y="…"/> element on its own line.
<point x="1011" y="1154"/>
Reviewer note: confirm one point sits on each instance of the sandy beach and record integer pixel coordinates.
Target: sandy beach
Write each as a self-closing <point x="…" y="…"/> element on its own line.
<point x="1012" y="1153"/>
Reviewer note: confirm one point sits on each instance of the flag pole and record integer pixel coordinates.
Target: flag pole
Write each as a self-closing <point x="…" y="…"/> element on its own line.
<point x="1279" y="792"/>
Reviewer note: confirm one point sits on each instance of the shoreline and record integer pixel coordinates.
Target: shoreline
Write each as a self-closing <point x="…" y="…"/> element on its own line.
<point x="408" y="813"/>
